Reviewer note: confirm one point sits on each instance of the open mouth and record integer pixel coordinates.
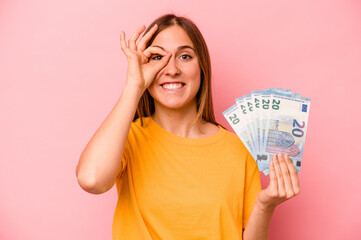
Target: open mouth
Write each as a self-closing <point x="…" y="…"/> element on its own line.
<point x="172" y="86"/>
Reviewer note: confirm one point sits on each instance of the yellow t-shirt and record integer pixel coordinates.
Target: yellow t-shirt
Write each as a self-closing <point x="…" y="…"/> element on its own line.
<point x="183" y="188"/>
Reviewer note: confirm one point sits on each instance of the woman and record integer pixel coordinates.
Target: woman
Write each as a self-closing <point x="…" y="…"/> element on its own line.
<point x="178" y="173"/>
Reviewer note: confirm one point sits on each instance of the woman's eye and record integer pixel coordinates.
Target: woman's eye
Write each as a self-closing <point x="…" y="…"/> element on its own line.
<point x="156" y="57"/>
<point x="186" y="57"/>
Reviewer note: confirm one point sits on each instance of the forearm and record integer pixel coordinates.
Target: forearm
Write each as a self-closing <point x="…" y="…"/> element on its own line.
<point x="258" y="223"/>
<point x="100" y="161"/>
<point x="284" y="184"/>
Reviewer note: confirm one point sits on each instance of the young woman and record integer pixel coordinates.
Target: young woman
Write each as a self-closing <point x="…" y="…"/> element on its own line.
<point x="178" y="173"/>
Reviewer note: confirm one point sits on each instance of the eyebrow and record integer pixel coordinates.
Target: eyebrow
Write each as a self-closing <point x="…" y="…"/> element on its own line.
<point x="179" y="48"/>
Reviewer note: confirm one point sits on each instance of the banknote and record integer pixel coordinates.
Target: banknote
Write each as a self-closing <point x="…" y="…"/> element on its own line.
<point x="271" y="121"/>
<point x="287" y="127"/>
<point x="270" y="106"/>
<point x="245" y="110"/>
<point x="239" y="126"/>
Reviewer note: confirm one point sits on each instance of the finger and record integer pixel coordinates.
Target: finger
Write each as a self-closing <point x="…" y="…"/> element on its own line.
<point x="294" y="176"/>
<point x="134" y="38"/>
<point x="143" y="42"/>
<point x="123" y="44"/>
<point x="286" y="176"/>
<point x="160" y="64"/>
<point x="154" y="50"/>
<point x="281" y="185"/>
<point x="273" y="185"/>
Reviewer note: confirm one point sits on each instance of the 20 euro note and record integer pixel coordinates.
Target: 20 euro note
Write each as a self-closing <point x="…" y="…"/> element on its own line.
<point x="246" y="114"/>
<point x="239" y="126"/>
<point x="262" y="106"/>
<point x="270" y="106"/>
<point x="286" y="128"/>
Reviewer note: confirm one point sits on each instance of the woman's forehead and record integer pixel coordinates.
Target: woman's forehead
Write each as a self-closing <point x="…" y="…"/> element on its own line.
<point x="172" y="38"/>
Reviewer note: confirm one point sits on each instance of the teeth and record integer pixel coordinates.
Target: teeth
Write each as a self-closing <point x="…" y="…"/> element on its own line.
<point x="172" y="86"/>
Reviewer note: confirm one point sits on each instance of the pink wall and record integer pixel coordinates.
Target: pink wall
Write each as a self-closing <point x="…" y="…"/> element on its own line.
<point x="61" y="71"/>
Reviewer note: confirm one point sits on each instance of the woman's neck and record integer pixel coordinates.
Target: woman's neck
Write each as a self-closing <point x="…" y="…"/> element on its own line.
<point x="179" y="121"/>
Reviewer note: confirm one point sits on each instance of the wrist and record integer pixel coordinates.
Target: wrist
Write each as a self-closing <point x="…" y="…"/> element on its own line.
<point x="134" y="90"/>
<point x="265" y="207"/>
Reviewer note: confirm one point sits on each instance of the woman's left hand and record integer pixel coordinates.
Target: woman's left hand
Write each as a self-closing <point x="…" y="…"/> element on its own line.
<point x="284" y="183"/>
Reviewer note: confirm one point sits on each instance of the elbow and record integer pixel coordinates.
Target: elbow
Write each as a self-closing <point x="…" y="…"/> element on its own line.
<point x="89" y="183"/>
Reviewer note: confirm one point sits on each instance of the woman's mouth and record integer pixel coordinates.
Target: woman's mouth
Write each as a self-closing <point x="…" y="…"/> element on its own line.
<point x="172" y="86"/>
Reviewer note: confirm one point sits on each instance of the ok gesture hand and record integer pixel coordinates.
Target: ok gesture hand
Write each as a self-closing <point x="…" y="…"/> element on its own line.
<point x="141" y="71"/>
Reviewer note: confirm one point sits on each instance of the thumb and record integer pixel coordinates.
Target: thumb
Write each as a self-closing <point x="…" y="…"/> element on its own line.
<point x="159" y="65"/>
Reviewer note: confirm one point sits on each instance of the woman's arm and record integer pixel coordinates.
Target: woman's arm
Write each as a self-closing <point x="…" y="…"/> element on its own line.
<point x="100" y="161"/>
<point x="284" y="184"/>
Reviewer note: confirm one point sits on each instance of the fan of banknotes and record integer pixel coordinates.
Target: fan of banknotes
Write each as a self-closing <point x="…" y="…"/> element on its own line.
<point x="269" y="122"/>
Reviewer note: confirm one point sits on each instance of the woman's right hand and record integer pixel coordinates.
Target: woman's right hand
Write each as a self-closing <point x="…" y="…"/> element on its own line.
<point x="141" y="71"/>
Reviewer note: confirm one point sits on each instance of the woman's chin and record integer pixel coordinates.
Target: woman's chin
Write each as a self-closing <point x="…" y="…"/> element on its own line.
<point x="175" y="104"/>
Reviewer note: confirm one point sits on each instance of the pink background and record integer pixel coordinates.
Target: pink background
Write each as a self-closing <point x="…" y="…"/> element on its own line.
<point x="61" y="71"/>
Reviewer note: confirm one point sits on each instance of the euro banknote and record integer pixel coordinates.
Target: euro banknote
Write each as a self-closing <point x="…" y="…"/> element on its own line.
<point x="271" y="121"/>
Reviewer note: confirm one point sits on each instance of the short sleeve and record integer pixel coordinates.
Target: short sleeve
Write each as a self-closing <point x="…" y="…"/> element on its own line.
<point x="124" y="161"/>
<point x="127" y="151"/>
<point x="252" y="187"/>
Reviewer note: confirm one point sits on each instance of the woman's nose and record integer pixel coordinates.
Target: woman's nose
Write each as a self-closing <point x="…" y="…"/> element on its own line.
<point x="172" y="67"/>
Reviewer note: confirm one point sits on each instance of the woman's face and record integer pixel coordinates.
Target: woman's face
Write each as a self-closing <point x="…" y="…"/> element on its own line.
<point x="177" y="84"/>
